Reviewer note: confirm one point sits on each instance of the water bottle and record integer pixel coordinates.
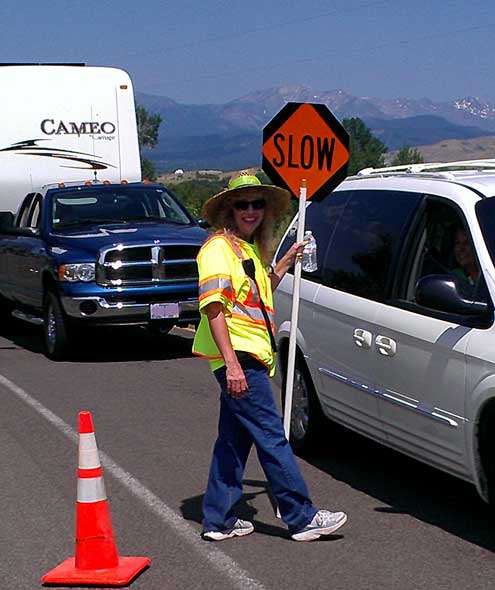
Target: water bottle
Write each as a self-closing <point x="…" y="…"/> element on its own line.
<point x="309" y="261"/>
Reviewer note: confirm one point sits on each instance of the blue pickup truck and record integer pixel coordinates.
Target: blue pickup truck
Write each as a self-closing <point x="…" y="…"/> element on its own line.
<point x="77" y="256"/>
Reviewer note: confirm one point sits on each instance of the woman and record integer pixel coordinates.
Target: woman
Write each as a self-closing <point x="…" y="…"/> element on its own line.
<point x="236" y="335"/>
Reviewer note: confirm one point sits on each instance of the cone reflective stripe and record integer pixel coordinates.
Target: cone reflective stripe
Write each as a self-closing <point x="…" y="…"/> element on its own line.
<point x="90" y="484"/>
<point x="96" y="561"/>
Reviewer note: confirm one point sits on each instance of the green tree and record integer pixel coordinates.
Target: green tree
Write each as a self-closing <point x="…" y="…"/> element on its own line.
<point x="193" y="193"/>
<point x="365" y="149"/>
<point x="407" y="155"/>
<point x="148" y="127"/>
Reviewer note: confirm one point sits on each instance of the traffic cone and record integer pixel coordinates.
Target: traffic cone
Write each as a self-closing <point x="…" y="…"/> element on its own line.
<point x="96" y="561"/>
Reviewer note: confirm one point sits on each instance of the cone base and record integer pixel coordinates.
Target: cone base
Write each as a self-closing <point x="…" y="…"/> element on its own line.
<point x="67" y="573"/>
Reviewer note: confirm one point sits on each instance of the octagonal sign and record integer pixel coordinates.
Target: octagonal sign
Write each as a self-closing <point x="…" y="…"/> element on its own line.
<point x="305" y="141"/>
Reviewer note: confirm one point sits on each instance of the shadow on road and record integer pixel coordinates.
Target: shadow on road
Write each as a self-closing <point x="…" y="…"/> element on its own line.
<point x="191" y="509"/>
<point x="105" y="344"/>
<point x="406" y="486"/>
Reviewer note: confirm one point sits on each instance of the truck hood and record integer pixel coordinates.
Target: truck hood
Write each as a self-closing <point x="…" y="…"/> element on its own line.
<point x="91" y="240"/>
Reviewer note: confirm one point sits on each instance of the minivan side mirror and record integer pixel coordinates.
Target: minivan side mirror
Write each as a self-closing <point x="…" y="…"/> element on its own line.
<point x="444" y="293"/>
<point x="6" y="221"/>
<point x="203" y="223"/>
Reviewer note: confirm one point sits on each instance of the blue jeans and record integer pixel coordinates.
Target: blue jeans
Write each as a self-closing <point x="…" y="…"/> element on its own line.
<point x="253" y="419"/>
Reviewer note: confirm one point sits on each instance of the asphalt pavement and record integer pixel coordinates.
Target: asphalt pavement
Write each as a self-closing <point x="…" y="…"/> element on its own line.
<point x="154" y="408"/>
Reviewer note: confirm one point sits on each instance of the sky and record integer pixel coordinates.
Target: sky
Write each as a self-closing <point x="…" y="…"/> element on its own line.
<point x="214" y="51"/>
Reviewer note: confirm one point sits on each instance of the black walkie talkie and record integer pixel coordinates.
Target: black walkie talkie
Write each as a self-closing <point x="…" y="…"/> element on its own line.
<point x="250" y="270"/>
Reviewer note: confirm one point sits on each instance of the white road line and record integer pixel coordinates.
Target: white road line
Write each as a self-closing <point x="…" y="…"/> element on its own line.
<point x="238" y="577"/>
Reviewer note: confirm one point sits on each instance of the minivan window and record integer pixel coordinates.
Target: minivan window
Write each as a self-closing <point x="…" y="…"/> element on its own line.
<point x="366" y="241"/>
<point x="321" y="219"/>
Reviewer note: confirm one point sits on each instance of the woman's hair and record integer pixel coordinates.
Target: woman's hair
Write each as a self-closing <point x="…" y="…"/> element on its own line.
<point x="263" y="234"/>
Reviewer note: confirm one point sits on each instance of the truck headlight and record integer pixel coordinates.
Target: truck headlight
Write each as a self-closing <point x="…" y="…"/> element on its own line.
<point x="82" y="271"/>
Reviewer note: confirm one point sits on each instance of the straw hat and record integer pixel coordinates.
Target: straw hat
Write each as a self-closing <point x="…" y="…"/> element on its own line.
<point x="277" y="199"/>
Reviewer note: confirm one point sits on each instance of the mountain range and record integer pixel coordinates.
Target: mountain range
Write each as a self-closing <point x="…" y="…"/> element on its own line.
<point x="228" y="136"/>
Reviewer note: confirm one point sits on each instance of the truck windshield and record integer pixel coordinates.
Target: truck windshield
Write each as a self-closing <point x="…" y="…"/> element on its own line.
<point x="108" y="204"/>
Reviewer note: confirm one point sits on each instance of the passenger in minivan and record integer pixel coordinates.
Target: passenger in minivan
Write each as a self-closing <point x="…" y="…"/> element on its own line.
<point x="468" y="267"/>
<point x="471" y="284"/>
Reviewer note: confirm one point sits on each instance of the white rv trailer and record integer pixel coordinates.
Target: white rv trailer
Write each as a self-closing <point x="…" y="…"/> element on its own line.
<point x="61" y="123"/>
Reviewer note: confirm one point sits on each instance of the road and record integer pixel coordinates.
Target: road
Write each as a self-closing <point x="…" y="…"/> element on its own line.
<point x="154" y="408"/>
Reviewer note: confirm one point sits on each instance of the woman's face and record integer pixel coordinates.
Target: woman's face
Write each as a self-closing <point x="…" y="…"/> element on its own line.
<point x="249" y="212"/>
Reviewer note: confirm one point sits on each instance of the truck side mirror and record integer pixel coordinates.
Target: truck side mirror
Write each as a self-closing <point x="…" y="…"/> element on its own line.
<point x="6" y="221"/>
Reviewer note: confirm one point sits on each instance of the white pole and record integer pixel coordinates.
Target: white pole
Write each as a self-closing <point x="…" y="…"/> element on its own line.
<point x="295" y="312"/>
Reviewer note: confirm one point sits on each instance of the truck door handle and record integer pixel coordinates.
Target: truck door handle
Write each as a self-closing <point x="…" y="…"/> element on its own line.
<point x="362" y="338"/>
<point x="386" y="345"/>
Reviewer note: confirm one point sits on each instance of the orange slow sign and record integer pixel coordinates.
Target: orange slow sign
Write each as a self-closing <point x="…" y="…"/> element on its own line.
<point x="305" y="141"/>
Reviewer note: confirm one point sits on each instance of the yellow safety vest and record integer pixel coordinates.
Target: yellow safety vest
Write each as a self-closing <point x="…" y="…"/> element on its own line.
<point x="222" y="278"/>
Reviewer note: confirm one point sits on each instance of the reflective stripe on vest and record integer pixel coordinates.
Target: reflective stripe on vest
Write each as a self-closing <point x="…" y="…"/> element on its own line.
<point x="220" y="284"/>
<point x="253" y="297"/>
<point x="253" y="313"/>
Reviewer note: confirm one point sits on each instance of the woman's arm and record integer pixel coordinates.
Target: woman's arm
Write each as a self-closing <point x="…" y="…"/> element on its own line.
<point x="236" y="380"/>
<point x="285" y="263"/>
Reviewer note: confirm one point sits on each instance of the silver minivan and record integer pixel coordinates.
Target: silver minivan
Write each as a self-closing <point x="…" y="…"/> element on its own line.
<point x="396" y="335"/>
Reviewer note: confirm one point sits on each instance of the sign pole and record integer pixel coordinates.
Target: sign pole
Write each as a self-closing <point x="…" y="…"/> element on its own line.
<point x="291" y="362"/>
<point x="303" y="138"/>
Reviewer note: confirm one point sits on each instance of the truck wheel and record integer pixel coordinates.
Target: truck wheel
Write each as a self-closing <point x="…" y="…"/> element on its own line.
<point x="5" y="314"/>
<point x="55" y="327"/>
<point x="308" y="423"/>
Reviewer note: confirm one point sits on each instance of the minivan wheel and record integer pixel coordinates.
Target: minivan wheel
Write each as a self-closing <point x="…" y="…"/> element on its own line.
<point x="307" y="424"/>
<point x="486" y="434"/>
<point x="55" y="328"/>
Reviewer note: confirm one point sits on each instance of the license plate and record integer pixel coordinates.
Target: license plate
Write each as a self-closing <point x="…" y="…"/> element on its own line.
<point x="162" y="311"/>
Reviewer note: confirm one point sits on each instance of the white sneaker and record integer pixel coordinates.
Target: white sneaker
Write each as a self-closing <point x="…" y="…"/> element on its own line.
<point x="240" y="529"/>
<point x="324" y="523"/>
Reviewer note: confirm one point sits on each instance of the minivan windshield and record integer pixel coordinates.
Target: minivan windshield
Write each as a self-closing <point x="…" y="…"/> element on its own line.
<point x="485" y="211"/>
<point x="115" y="205"/>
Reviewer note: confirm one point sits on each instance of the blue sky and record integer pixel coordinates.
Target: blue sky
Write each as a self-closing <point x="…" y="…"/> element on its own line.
<point x="218" y="50"/>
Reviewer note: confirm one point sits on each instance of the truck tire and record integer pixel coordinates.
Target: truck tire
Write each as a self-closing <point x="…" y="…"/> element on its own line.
<point x="308" y="423"/>
<point x="5" y="315"/>
<point x="55" y="327"/>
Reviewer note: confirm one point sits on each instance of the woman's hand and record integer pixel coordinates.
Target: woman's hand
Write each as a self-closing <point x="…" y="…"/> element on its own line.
<point x="295" y="252"/>
<point x="236" y="380"/>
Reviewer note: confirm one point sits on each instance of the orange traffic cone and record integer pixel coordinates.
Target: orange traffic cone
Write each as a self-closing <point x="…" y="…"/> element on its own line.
<point x="97" y="561"/>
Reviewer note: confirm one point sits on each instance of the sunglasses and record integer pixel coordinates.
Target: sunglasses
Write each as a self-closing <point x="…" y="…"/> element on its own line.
<point x="257" y="204"/>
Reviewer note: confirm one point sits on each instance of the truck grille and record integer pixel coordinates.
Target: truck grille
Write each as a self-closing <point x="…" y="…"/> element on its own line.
<point x="147" y="264"/>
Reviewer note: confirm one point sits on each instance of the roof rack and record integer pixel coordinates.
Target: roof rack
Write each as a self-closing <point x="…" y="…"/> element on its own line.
<point x="75" y="64"/>
<point x="488" y="164"/>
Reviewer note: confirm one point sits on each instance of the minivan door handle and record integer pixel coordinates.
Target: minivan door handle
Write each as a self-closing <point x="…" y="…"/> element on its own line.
<point x="386" y="345"/>
<point x="362" y="338"/>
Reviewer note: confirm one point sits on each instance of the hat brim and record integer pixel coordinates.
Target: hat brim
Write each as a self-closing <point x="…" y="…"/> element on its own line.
<point x="277" y="200"/>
